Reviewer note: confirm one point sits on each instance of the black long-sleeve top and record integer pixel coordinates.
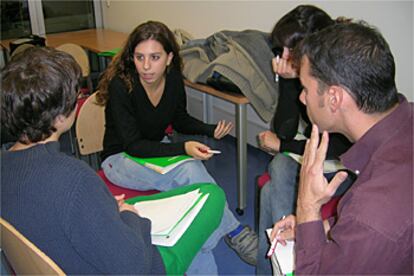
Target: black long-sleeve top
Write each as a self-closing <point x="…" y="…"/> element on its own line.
<point x="135" y="126"/>
<point x="286" y="122"/>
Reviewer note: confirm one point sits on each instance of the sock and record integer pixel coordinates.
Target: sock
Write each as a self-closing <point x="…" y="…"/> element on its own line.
<point x="236" y="231"/>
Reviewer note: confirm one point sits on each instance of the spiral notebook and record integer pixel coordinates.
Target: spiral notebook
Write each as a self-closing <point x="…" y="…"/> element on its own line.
<point x="170" y="217"/>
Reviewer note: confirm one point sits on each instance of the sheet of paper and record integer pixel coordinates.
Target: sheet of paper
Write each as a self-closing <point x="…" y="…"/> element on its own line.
<point x="180" y="229"/>
<point x="166" y="212"/>
<point x="284" y="257"/>
<point x="170" y="217"/>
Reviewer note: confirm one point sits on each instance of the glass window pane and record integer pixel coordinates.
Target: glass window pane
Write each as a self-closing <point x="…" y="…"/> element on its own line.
<point x="64" y="16"/>
<point x="15" y="19"/>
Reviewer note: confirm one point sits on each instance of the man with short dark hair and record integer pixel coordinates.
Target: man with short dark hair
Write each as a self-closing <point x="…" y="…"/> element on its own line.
<point x="347" y="72"/>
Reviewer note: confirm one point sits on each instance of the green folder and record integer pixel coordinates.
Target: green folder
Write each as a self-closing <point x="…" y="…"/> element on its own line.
<point x="109" y="53"/>
<point x="161" y="165"/>
<point x="179" y="257"/>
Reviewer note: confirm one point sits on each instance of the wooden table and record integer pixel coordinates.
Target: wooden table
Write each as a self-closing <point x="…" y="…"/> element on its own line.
<point x="240" y="101"/>
<point x="95" y="40"/>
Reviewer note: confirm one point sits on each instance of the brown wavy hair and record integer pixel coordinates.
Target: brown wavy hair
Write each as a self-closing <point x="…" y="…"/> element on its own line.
<point x="123" y="65"/>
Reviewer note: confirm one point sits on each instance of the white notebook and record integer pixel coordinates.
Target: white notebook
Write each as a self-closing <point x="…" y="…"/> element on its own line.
<point x="283" y="260"/>
<point x="329" y="166"/>
<point x="170" y="217"/>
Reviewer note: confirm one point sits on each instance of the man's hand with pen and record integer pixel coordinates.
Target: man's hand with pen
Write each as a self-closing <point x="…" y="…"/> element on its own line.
<point x="283" y="230"/>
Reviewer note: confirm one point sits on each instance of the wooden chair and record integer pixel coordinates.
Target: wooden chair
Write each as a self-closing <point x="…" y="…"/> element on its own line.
<point x="90" y="130"/>
<point x="81" y="57"/>
<point x="20" y="49"/>
<point x="23" y="256"/>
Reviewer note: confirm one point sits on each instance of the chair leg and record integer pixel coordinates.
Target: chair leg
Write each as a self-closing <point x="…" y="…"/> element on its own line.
<point x="72" y="141"/>
<point x="96" y="162"/>
<point x="93" y="160"/>
<point x="89" y="84"/>
<point x="257" y="206"/>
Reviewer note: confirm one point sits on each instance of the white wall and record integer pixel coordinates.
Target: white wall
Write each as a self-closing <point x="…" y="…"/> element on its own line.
<point x="202" y="18"/>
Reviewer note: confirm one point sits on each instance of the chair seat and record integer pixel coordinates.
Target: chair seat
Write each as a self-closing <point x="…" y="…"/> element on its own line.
<point x="329" y="209"/>
<point x="116" y="190"/>
<point x="263" y="179"/>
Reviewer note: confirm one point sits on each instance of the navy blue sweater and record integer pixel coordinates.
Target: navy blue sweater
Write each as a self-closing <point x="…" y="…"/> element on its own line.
<point x="63" y="207"/>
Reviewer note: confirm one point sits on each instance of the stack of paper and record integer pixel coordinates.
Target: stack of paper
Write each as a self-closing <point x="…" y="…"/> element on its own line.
<point x="171" y="216"/>
<point x="283" y="260"/>
<point x="161" y="165"/>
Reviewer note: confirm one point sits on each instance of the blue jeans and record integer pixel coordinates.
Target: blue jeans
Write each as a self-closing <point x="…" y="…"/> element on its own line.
<point x="277" y="198"/>
<point x="128" y="174"/>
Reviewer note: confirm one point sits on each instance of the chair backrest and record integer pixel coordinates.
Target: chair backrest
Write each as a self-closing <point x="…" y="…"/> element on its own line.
<point x="23" y="256"/>
<point x="79" y="54"/>
<point x="20" y="49"/>
<point x="90" y="126"/>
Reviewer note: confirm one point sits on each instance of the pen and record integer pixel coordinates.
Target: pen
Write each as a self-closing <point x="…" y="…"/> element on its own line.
<point x="210" y="151"/>
<point x="274" y="242"/>
<point x="276" y="75"/>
